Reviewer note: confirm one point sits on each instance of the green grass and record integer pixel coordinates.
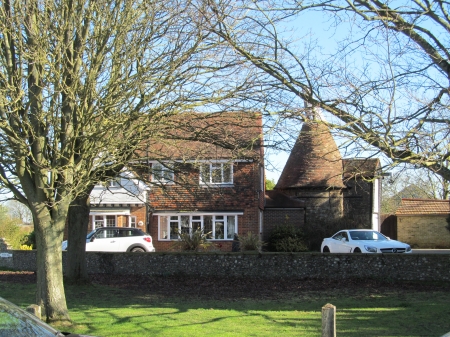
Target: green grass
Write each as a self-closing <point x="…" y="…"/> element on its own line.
<point x="106" y="311"/>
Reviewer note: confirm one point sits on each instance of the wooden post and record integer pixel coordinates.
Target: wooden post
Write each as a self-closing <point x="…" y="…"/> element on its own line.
<point x="328" y="320"/>
<point x="35" y="310"/>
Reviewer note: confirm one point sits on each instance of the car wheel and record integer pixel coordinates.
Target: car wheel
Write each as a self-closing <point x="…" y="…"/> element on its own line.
<point x="326" y="249"/>
<point x="356" y="250"/>
<point x="138" y="250"/>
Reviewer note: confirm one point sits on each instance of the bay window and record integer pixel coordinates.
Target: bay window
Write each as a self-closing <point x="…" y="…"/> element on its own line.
<point x="215" y="226"/>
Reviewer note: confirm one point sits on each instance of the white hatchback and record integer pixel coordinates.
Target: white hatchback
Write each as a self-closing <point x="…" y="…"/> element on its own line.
<point x="362" y="241"/>
<point x="117" y="239"/>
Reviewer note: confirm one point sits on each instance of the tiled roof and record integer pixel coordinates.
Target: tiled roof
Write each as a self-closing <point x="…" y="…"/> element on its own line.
<point x="360" y="167"/>
<point x="423" y="207"/>
<point x="195" y="136"/>
<point x="314" y="162"/>
<point x="276" y="199"/>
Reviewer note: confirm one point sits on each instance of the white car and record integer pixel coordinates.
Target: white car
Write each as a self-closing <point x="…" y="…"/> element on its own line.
<point x="362" y="241"/>
<point x="117" y="239"/>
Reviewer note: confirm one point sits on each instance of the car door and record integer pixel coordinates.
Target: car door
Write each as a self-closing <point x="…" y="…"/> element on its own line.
<point x="340" y="243"/>
<point x="105" y="240"/>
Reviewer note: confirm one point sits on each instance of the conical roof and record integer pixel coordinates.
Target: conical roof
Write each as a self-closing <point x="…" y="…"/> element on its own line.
<point x="314" y="162"/>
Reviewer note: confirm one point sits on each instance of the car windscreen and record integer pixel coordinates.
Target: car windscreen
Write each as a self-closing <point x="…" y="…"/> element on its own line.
<point x="90" y="235"/>
<point x="367" y="235"/>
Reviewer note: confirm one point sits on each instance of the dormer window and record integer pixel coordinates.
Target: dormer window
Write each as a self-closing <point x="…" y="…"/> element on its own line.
<point x="216" y="173"/>
<point x="114" y="183"/>
<point x="162" y="173"/>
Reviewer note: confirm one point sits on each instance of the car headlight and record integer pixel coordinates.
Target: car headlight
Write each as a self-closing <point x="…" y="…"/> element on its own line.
<point x="408" y="248"/>
<point x="371" y="249"/>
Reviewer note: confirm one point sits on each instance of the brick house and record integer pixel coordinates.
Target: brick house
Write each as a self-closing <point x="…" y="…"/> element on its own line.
<point x="317" y="185"/>
<point x="213" y="181"/>
<point x="423" y="223"/>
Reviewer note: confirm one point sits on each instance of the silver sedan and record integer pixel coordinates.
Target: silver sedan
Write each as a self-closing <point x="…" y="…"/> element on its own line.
<point x="362" y="241"/>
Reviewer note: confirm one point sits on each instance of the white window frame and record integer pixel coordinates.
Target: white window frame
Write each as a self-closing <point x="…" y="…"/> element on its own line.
<point x="104" y="220"/>
<point x="133" y="222"/>
<point x="167" y="175"/>
<point x="212" y="167"/>
<point x="176" y="219"/>
<point x="114" y="183"/>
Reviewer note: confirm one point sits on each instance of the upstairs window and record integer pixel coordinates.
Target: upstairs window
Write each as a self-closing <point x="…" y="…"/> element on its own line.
<point x="162" y="173"/>
<point x="114" y="183"/>
<point x="216" y="174"/>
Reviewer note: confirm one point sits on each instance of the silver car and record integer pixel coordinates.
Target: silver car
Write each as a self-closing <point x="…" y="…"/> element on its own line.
<point x="16" y="322"/>
<point x="362" y="241"/>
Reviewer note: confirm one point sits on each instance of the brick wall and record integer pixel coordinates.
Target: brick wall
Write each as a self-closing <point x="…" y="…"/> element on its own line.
<point x="189" y="196"/>
<point x="423" y="231"/>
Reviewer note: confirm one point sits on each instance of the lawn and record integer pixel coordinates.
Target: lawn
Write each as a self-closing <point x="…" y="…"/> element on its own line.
<point x="211" y="309"/>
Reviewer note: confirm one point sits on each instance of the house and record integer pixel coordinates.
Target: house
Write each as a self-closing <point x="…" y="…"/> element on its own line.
<point x="120" y="202"/>
<point x="318" y="186"/>
<point x="423" y="223"/>
<point x="208" y="173"/>
<point x="201" y="171"/>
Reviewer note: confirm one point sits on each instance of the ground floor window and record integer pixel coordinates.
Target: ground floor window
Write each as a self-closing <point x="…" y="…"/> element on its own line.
<point x="216" y="226"/>
<point x="103" y="221"/>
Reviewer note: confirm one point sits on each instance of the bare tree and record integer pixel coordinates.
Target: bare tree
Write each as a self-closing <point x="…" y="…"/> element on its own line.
<point x="82" y="84"/>
<point x="19" y="211"/>
<point x="385" y="88"/>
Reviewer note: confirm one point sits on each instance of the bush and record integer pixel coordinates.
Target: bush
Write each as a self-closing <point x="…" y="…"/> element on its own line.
<point x="287" y="238"/>
<point x="193" y="242"/>
<point x="29" y="240"/>
<point x="11" y="231"/>
<point x="250" y="241"/>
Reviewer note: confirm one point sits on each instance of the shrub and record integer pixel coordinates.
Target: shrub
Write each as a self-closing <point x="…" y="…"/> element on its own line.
<point x="11" y="231"/>
<point x="29" y="240"/>
<point x="287" y="238"/>
<point x="25" y="247"/>
<point x="193" y="242"/>
<point x="250" y="241"/>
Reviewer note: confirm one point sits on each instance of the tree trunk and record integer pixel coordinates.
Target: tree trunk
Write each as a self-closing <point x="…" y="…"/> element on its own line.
<point x="50" y="294"/>
<point x="78" y="221"/>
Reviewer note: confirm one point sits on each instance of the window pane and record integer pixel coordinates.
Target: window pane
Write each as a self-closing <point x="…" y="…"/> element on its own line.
<point x="196" y="225"/>
<point x="162" y="173"/>
<point x="227" y="173"/>
<point x="231" y="227"/>
<point x="216" y="174"/>
<point x="185" y="224"/>
<point x="205" y="174"/>
<point x="219" y="227"/>
<point x="110" y="220"/>
<point x="207" y="226"/>
<point x="98" y="221"/>
<point x="163" y="227"/>
<point x="133" y="221"/>
<point x="157" y="172"/>
<point x="174" y="230"/>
